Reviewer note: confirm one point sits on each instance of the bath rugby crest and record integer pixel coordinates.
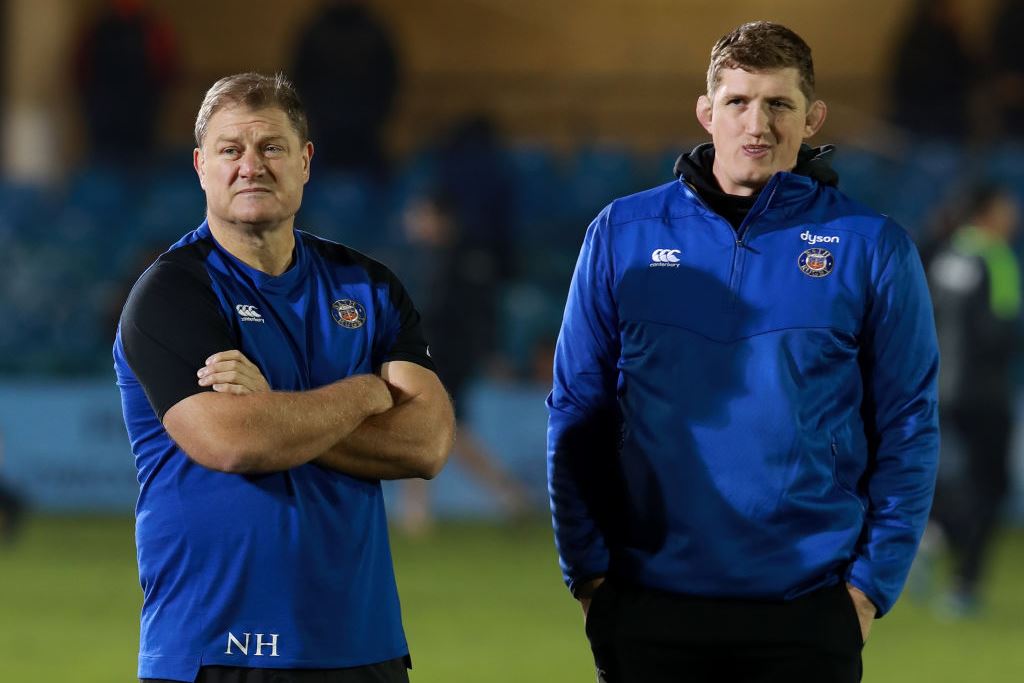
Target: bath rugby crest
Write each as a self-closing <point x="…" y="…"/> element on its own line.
<point x="816" y="262"/>
<point x="348" y="313"/>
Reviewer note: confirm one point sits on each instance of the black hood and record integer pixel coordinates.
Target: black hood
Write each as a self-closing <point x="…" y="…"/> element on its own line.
<point x="695" y="167"/>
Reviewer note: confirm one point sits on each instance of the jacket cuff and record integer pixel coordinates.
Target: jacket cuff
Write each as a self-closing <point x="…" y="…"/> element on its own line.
<point x="578" y="587"/>
<point x="859" y="575"/>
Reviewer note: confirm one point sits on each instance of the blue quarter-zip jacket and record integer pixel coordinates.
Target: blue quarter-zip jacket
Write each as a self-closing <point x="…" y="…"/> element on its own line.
<point x="744" y="413"/>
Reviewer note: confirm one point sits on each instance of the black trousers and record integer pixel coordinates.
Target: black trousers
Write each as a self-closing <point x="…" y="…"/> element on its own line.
<point x="391" y="671"/>
<point x="647" y="636"/>
<point x="968" y="508"/>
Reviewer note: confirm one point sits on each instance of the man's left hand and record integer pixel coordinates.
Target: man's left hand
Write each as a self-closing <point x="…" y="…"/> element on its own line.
<point x="230" y="372"/>
<point x="866" y="610"/>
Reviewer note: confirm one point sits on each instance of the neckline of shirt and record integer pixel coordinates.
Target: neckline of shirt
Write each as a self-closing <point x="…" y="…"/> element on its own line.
<point x="265" y="281"/>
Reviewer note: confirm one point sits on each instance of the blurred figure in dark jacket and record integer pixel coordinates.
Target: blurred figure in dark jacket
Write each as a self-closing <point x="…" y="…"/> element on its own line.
<point x="346" y="70"/>
<point x="460" y="281"/>
<point x="473" y="176"/>
<point x="125" y="63"/>
<point x="934" y="74"/>
<point x="1008" y="65"/>
<point x="976" y="289"/>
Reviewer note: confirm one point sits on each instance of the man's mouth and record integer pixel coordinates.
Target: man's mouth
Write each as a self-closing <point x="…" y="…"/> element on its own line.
<point x="756" y="151"/>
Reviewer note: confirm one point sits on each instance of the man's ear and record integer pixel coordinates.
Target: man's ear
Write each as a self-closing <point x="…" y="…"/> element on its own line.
<point x="704" y="112"/>
<point x="815" y="118"/>
<point x="307" y="156"/>
<point x="199" y="163"/>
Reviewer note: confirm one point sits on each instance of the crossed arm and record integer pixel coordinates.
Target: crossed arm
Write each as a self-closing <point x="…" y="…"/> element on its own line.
<point x="396" y="425"/>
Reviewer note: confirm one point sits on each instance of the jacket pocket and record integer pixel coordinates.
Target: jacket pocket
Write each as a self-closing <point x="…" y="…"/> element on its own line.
<point x="594" y="618"/>
<point x="853" y="616"/>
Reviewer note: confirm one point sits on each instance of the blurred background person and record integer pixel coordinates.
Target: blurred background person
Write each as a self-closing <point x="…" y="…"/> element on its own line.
<point x="475" y="183"/>
<point x="127" y="54"/>
<point x="976" y="289"/>
<point x="346" y="68"/>
<point x="1008" y="66"/>
<point x="459" y="233"/>
<point x="459" y="303"/>
<point x="935" y="74"/>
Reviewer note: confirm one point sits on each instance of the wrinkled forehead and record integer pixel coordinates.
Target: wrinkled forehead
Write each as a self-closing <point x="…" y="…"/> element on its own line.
<point x="239" y="120"/>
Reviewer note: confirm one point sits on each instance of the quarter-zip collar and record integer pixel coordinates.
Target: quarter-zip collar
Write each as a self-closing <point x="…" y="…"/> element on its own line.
<point x="695" y="169"/>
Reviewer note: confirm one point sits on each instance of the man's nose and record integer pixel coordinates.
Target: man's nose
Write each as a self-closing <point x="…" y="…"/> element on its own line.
<point x="757" y="121"/>
<point x="251" y="164"/>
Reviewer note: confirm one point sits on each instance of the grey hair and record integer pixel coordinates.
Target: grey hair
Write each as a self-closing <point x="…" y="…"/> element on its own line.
<point x="254" y="91"/>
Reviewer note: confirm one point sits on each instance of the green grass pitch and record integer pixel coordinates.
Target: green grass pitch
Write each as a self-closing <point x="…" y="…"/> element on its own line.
<point x="482" y="604"/>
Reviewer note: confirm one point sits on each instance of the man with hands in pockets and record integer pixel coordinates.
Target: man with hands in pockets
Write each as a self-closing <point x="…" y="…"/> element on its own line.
<point x="742" y="435"/>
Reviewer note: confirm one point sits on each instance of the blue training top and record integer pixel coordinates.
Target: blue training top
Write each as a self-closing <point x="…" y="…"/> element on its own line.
<point x="744" y="413"/>
<point x="285" y="570"/>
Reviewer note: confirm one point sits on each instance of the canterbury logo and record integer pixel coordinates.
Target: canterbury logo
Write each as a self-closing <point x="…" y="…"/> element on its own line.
<point x="665" y="255"/>
<point x="665" y="258"/>
<point x="249" y="313"/>
<point x="806" y="236"/>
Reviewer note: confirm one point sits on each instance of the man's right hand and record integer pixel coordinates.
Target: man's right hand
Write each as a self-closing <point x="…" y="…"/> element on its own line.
<point x="586" y="594"/>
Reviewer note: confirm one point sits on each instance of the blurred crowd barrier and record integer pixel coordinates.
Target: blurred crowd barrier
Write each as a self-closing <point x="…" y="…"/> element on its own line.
<point x="67" y="450"/>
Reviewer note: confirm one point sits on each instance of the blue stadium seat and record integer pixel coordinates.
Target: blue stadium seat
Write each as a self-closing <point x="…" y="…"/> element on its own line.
<point x="348" y="208"/>
<point x="866" y="176"/>
<point x="415" y="178"/>
<point x="1004" y="164"/>
<point x="540" y="193"/>
<point x="26" y="212"/>
<point x="170" y="204"/>
<point x="103" y="191"/>
<point x="658" y="167"/>
<point x="529" y="315"/>
<point x="930" y="173"/>
<point x="597" y="175"/>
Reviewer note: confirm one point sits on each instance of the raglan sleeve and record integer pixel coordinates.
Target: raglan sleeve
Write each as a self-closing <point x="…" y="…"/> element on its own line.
<point x="401" y="335"/>
<point x="583" y="423"/>
<point x="899" y="365"/>
<point x="171" y="323"/>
